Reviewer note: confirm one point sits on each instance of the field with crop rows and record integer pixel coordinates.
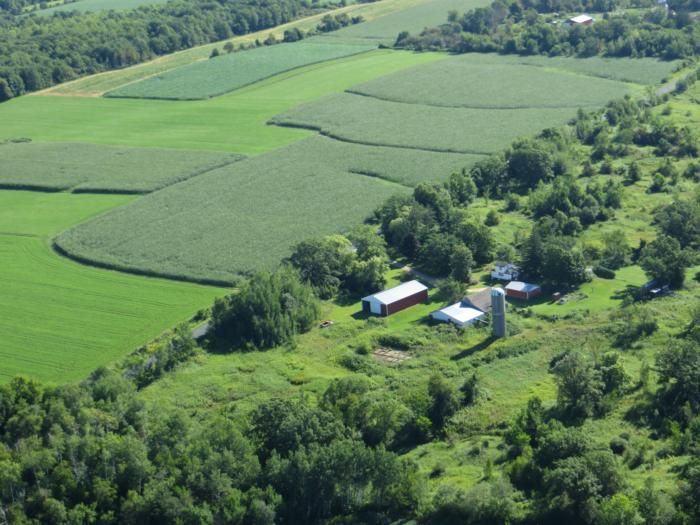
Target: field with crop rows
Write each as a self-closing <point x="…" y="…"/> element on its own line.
<point x="636" y="70"/>
<point x="243" y="217"/>
<point x="366" y="120"/>
<point x="97" y="168"/>
<point x="233" y="122"/>
<point x="401" y="165"/>
<point x="59" y="320"/>
<point x="216" y="76"/>
<point x="472" y="81"/>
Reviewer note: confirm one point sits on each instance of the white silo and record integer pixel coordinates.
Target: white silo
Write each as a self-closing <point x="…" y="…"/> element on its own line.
<point x="498" y="312"/>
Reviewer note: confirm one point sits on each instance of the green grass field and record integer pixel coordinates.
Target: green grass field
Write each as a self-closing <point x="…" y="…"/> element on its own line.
<point x="59" y="319"/>
<point x="228" y="72"/>
<point x="366" y="120"/>
<point x="477" y="81"/>
<point x="235" y="122"/>
<point x="232" y="220"/>
<point x="97" y="168"/>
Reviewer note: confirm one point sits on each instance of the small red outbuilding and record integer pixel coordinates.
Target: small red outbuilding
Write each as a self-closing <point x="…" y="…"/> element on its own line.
<point x="523" y="291"/>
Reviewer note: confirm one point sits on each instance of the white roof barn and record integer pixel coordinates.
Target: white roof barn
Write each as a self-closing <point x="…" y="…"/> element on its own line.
<point x="394" y="299"/>
<point x="580" y="19"/>
<point x="459" y="314"/>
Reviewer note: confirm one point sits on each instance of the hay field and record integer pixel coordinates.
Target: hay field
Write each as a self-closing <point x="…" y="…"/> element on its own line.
<point x="229" y="221"/>
<point x="59" y="320"/>
<point x="225" y="73"/>
<point x="91" y="168"/>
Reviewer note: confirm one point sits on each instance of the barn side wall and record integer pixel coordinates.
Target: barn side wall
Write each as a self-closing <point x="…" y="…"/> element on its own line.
<point x="407" y="302"/>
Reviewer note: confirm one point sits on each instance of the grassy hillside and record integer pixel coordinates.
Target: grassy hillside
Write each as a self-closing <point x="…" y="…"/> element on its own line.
<point x="59" y="319"/>
<point x="235" y="122"/>
<point x="232" y="71"/>
<point x="94" y="168"/>
<point x="510" y="372"/>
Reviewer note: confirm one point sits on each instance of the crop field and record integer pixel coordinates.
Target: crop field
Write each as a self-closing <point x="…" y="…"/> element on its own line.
<point x="59" y="319"/>
<point x="414" y="19"/>
<point x="210" y="78"/>
<point x="647" y="71"/>
<point x="98" y="84"/>
<point x="366" y="120"/>
<point x="401" y="165"/>
<point x="233" y="122"/>
<point x="471" y="81"/>
<point x="96" y="168"/>
<point x="233" y="220"/>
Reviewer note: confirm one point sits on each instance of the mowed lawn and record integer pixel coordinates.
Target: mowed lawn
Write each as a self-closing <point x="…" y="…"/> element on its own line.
<point x="58" y="319"/>
<point x="236" y="122"/>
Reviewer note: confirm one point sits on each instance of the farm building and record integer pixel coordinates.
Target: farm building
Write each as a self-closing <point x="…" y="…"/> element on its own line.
<point x="582" y="20"/>
<point x="395" y="299"/>
<point x="521" y="290"/>
<point x="459" y="314"/>
<point x="505" y="271"/>
<point x="480" y="300"/>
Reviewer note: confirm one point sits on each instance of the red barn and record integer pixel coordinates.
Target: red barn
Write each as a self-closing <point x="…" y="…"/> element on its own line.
<point x="395" y="299"/>
<point x="523" y="291"/>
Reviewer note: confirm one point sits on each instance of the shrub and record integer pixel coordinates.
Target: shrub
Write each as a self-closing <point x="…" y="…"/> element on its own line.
<point x="603" y="272"/>
<point x="618" y="446"/>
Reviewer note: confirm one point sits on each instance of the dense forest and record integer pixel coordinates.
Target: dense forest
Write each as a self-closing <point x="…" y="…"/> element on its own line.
<point x="39" y="52"/>
<point x="530" y="28"/>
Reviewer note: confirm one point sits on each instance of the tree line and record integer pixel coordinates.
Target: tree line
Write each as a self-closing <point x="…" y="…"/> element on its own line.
<point x="39" y="52"/>
<point x="519" y="27"/>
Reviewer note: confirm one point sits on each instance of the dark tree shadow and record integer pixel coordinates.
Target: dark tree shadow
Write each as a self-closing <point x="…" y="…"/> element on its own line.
<point x="483" y="345"/>
<point x="362" y="315"/>
<point x="628" y="293"/>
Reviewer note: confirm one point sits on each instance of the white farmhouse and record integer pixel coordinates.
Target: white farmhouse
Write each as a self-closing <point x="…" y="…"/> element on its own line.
<point x="505" y="271"/>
